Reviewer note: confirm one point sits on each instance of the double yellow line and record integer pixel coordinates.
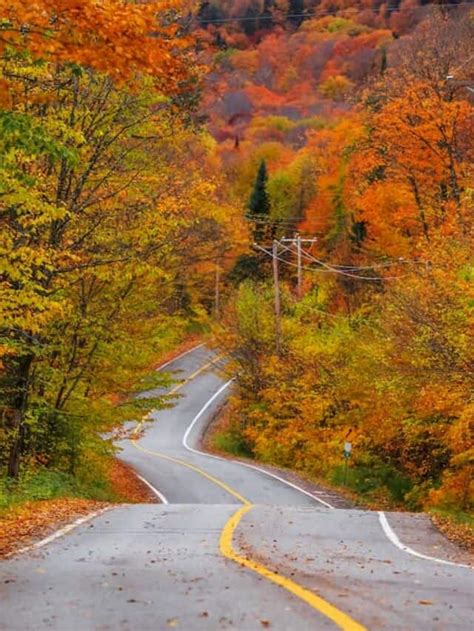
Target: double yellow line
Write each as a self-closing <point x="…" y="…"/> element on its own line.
<point x="322" y="606"/>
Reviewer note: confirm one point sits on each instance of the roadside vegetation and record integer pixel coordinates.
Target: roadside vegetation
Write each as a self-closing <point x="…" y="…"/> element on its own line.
<point x="109" y="190"/>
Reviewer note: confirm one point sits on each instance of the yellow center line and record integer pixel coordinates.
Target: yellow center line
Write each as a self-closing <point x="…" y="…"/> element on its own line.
<point x="341" y="619"/>
<point x="188" y="465"/>
<point x="195" y="374"/>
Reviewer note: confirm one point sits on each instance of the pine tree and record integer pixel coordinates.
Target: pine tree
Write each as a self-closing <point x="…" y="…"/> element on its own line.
<point x="265" y="20"/>
<point x="383" y="61"/>
<point x="259" y="202"/>
<point x="249" y="23"/>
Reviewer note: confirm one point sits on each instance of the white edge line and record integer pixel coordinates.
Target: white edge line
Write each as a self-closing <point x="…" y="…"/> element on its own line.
<point x="170" y="361"/>
<point x="392" y="536"/>
<point x="155" y="491"/>
<point x="243" y="464"/>
<point x="61" y="532"/>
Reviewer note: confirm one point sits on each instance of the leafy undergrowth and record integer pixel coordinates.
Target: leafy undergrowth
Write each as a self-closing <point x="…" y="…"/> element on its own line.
<point x="127" y="487"/>
<point x="43" y="502"/>
<point x="224" y="437"/>
<point x="22" y="524"/>
<point x="456" y="526"/>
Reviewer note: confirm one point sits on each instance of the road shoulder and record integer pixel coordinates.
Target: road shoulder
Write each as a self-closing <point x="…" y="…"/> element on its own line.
<point x="27" y="523"/>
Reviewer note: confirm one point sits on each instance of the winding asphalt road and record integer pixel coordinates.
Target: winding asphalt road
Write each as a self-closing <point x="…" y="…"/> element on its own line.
<point x="231" y="547"/>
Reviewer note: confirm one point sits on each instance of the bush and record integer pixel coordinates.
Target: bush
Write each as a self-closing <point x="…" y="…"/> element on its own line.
<point x="45" y="484"/>
<point x="367" y="478"/>
<point x="232" y="442"/>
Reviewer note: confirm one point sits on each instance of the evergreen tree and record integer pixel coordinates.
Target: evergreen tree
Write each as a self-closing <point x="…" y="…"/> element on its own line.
<point x="207" y="13"/>
<point x="249" y="23"/>
<point x="383" y="61"/>
<point x="265" y="20"/>
<point x="259" y="204"/>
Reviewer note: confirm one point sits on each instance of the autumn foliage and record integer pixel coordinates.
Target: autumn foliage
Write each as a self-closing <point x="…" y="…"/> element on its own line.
<point x="132" y="135"/>
<point x="108" y="190"/>
<point x="116" y="37"/>
<point x="369" y="148"/>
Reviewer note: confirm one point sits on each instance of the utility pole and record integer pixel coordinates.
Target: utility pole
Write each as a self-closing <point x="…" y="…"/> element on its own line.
<point x="297" y="241"/>
<point x="217" y="292"/>
<point x="300" y="266"/>
<point x="279" y="248"/>
<point x="276" y="282"/>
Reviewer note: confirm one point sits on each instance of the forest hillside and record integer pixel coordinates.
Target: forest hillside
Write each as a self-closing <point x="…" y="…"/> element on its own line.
<point x="350" y="125"/>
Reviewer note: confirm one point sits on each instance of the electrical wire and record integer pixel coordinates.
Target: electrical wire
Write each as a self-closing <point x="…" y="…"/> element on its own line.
<point x="462" y="65"/>
<point x="309" y="14"/>
<point x="270" y="254"/>
<point x="344" y="273"/>
<point x="350" y="268"/>
<point x="328" y="269"/>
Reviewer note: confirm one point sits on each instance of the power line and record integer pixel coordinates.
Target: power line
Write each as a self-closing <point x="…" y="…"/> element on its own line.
<point x="462" y="65"/>
<point x="328" y="269"/>
<point x="350" y="275"/>
<point x="350" y="268"/>
<point x="309" y="14"/>
<point x="335" y="267"/>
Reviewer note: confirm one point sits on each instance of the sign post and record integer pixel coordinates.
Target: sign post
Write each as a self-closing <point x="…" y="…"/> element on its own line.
<point x="347" y="454"/>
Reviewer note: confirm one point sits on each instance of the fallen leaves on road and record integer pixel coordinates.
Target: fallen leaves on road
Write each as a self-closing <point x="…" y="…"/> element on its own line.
<point x="31" y="521"/>
<point x="461" y="534"/>
<point x="127" y="486"/>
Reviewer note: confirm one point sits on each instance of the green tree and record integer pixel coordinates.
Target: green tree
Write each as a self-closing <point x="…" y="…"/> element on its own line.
<point x="259" y="203"/>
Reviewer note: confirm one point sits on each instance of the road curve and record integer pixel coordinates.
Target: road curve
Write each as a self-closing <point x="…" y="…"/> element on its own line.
<point x="232" y="549"/>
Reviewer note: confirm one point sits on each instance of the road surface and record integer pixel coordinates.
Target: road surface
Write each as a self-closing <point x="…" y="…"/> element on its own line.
<point x="233" y="548"/>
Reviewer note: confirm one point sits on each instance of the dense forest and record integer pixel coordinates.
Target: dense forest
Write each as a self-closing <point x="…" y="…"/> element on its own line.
<point x="352" y="124"/>
<point x="140" y="181"/>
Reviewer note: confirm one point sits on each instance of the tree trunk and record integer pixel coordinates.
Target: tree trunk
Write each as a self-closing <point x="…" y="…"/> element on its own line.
<point x="18" y="427"/>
